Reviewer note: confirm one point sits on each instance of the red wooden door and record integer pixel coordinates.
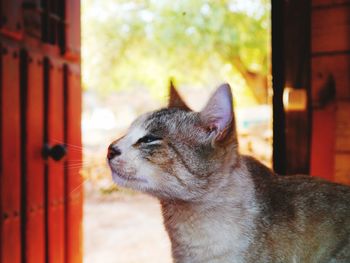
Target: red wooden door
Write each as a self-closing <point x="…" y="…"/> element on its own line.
<point x="40" y="109"/>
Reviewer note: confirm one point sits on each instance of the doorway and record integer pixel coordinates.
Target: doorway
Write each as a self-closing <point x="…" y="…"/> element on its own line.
<point x="131" y="52"/>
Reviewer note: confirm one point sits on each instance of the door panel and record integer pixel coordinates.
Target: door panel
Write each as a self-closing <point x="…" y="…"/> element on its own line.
<point x="10" y="157"/>
<point x="35" y="229"/>
<point x="322" y="144"/>
<point x="55" y="176"/>
<point x="74" y="181"/>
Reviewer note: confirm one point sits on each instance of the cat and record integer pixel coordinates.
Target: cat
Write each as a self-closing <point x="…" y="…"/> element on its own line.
<point x="221" y="206"/>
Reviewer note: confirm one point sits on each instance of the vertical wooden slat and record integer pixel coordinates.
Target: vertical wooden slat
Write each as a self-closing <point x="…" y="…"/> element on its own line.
<point x="23" y="81"/>
<point x="297" y="142"/>
<point x="342" y="135"/>
<point x="35" y="237"/>
<point x="61" y="24"/>
<point x="342" y="168"/>
<point x="323" y="140"/>
<point x="10" y="157"/>
<point x="1" y="173"/>
<point x="297" y="76"/>
<point x="73" y="27"/>
<point x="45" y="21"/>
<point x="56" y="234"/>
<point x="278" y="81"/>
<point x="73" y="135"/>
<point x="342" y="143"/>
<point x="74" y="189"/>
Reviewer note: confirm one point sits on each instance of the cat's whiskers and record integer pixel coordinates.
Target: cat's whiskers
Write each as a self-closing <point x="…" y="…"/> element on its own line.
<point x="68" y="144"/>
<point x="83" y="165"/>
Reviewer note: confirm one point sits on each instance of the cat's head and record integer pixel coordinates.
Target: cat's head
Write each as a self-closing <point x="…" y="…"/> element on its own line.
<point x="175" y="153"/>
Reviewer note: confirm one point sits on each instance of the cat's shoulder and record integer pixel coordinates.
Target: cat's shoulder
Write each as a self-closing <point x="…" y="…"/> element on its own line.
<point x="256" y="168"/>
<point x="263" y="175"/>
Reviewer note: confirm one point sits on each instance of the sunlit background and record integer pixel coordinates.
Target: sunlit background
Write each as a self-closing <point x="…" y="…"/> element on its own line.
<point x="130" y="51"/>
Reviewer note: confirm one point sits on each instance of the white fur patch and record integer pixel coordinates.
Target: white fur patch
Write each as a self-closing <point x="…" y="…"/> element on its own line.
<point x="130" y="164"/>
<point x="131" y="137"/>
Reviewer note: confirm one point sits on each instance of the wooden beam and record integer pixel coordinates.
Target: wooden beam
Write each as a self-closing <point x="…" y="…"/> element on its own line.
<point x="278" y="81"/>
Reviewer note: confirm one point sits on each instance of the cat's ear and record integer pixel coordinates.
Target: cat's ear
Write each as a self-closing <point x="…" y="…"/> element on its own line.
<point x="217" y="116"/>
<point x="175" y="100"/>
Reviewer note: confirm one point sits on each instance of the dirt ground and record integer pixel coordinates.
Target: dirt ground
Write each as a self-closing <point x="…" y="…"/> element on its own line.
<point x="124" y="228"/>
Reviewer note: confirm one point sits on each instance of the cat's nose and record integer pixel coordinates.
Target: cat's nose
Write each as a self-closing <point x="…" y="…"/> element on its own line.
<point x="113" y="151"/>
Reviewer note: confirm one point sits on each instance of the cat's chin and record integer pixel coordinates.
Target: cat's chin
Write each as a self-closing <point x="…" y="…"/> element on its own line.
<point x="127" y="180"/>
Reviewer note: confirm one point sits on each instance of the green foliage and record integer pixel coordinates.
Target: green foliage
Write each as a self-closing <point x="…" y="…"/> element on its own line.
<point x="144" y="42"/>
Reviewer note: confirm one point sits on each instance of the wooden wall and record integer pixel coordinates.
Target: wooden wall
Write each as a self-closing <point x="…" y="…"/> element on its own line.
<point x="330" y="89"/>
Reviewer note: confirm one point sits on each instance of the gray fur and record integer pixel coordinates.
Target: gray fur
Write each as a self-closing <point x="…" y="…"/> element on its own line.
<point x="220" y="206"/>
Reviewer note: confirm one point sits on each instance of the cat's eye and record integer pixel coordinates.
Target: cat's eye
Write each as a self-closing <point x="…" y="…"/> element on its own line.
<point x="148" y="139"/>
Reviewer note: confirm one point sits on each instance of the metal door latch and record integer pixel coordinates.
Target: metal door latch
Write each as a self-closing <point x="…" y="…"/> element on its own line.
<point x="56" y="152"/>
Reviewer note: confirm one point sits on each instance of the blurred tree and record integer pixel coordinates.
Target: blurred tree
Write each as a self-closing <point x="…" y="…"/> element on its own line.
<point x="143" y="43"/>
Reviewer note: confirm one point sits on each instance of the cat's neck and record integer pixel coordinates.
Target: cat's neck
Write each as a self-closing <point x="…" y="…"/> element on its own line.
<point x="195" y="226"/>
<point x="233" y="184"/>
